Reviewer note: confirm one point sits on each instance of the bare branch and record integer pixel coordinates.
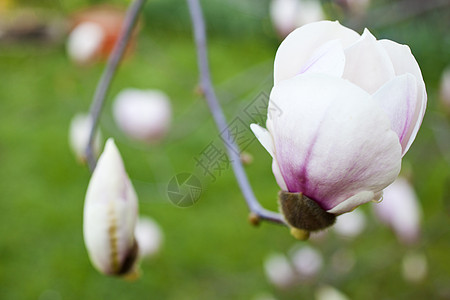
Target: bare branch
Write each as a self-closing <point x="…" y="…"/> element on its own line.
<point x="257" y="211"/>
<point x="108" y="74"/>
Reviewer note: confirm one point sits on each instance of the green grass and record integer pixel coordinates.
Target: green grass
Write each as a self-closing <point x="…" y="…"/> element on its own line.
<point x="210" y="250"/>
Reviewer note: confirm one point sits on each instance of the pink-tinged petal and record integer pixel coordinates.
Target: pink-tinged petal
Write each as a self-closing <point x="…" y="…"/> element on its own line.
<point x="367" y="63"/>
<point x="404" y="62"/>
<point x="332" y="141"/>
<point x="301" y="44"/>
<point x="400" y="209"/>
<point x="328" y="59"/>
<point x="266" y="140"/>
<point x="399" y="100"/>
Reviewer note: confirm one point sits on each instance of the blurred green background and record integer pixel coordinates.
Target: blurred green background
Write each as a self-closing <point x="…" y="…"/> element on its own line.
<point x="210" y="251"/>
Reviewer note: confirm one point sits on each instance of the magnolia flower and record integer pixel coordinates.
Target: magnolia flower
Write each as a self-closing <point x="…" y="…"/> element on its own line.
<point x="351" y="224"/>
<point x="400" y="210"/>
<point x="143" y="114"/>
<point x="343" y="111"/>
<point x="110" y="213"/>
<point x="149" y="236"/>
<point x="289" y="14"/>
<point x="445" y="89"/>
<point x="279" y="271"/>
<point x="307" y="262"/>
<point x="80" y="129"/>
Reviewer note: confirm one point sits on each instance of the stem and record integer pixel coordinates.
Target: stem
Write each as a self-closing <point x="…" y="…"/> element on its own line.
<point x="108" y="74"/>
<point x="219" y="118"/>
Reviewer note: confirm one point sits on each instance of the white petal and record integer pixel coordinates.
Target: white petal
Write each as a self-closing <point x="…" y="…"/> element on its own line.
<point x="352" y="202"/>
<point x="110" y="212"/>
<point x="300" y="45"/>
<point x="328" y="59"/>
<point x="398" y="98"/>
<point x="367" y="64"/>
<point x="278" y="176"/>
<point x="265" y="138"/>
<point x="332" y="141"/>
<point x="404" y="62"/>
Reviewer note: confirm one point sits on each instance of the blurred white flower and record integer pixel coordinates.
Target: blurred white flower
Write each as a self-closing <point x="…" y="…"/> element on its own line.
<point x="357" y="7"/>
<point x="351" y="224"/>
<point x="143" y="114"/>
<point x="149" y="237"/>
<point x="95" y="32"/>
<point x="289" y="14"/>
<point x="414" y="267"/>
<point x="307" y="262"/>
<point x="279" y="271"/>
<point x="444" y="91"/>
<point x="85" y="42"/>
<point x="110" y="213"/>
<point x="79" y="131"/>
<point x="400" y="210"/>
<point x="327" y="292"/>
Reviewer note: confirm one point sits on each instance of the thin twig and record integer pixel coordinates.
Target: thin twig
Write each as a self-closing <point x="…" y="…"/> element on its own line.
<point x="108" y="74"/>
<point x="218" y="116"/>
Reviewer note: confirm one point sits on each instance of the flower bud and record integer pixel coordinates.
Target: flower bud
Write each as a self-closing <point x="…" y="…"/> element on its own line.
<point x="149" y="237"/>
<point x="351" y="224"/>
<point x="110" y="212"/>
<point x="307" y="262"/>
<point x="143" y="114"/>
<point x="287" y="15"/>
<point x="80" y="129"/>
<point x="279" y="271"/>
<point x="400" y="210"/>
<point x="84" y="42"/>
<point x="95" y="33"/>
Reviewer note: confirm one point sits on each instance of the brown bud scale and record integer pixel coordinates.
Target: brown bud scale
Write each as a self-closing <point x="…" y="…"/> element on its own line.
<point x="304" y="213"/>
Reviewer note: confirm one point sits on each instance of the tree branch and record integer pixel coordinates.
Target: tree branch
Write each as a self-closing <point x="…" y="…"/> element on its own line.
<point x="108" y="74"/>
<point x="257" y="211"/>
